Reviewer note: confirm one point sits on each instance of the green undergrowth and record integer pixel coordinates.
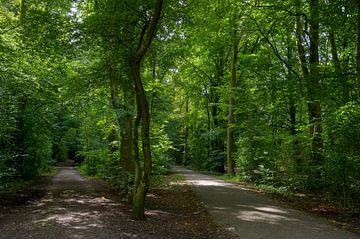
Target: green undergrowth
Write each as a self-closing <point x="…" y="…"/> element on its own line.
<point x="237" y="179"/>
<point x="12" y="187"/>
<point x="166" y="181"/>
<point x="262" y="187"/>
<point x="50" y="172"/>
<point x="309" y="201"/>
<point x="123" y="181"/>
<point x="15" y="185"/>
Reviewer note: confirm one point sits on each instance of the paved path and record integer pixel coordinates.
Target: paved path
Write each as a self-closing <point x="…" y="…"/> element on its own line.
<point x="254" y="216"/>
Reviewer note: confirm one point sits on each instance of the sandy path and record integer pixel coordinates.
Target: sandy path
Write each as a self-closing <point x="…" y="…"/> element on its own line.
<point x="73" y="207"/>
<point x="254" y="216"/>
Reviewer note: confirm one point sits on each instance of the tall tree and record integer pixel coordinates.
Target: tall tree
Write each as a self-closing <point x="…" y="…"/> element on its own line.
<point x="230" y="126"/>
<point x="314" y="87"/>
<point x="142" y="173"/>
<point x="358" y="46"/>
<point x="310" y="72"/>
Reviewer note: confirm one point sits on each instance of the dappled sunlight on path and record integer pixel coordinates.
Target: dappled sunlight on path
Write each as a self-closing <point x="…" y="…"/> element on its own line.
<point x="254" y="216"/>
<point x="73" y="207"/>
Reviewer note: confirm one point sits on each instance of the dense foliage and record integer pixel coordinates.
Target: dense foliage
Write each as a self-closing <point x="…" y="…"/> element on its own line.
<point x="269" y="89"/>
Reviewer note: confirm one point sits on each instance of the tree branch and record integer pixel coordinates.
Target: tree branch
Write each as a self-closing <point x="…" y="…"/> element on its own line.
<point x="274" y="48"/>
<point x="150" y="31"/>
<point x="197" y="68"/>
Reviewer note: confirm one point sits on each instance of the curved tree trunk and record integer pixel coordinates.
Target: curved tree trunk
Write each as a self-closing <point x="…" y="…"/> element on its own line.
<point x="142" y="173"/>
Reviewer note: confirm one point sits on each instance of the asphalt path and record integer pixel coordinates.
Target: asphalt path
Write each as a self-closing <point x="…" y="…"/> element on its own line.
<point x="254" y="216"/>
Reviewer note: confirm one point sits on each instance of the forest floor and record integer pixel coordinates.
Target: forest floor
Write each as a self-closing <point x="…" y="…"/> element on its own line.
<point x="70" y="206"/>
<point x="255" y="215"/>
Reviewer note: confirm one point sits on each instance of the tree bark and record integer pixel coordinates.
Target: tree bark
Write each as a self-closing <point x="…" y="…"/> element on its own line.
<point x="296" y="154"/>
<point x="299" y="42"/>
<point x="311" y="75"/>
<point x="334" y="54"/>
<point x="126" y="134"/>
<point x="230" y="126"/>
<point x="142" y="174"/>
<point x="314" y="90"/>
<point x="338" y="68"/>
<point x="217" y="144"/>
<point x="125" y="121"/>
<point x="186" y="134"/>
<point x="358" y="46"/>
<point x="23" y="9"/>
<point x="20" y="119"/>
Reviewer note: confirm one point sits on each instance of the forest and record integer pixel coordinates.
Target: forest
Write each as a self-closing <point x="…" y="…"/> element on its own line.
<point x="264" y="91"/>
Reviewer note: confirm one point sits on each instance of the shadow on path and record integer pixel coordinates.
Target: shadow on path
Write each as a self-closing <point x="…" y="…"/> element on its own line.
<point x="254" y="216"/>
<point x="73" y="207"/>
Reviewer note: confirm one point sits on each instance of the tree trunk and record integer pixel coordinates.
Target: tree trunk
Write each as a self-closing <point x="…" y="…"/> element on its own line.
<point x="299" y="43"/>
<point x="314" y="90"/>
<point x="125" y="122"/>
<point x="358" y="46"/>
<point x="186" y="134"/>
<point x="218" y="146"/>
<point x="126" y="133"/>
<point x="20" y="119"/>
<point x="139" y="193"/>
<point x="334" y="54"/>
<point x="23" y="9"/>
<point x="296" y="154"/>
<point x="338" y="68"/>
<point x="230" y="126"/>
<point x="312" y="78"/>
<point x="142" y="173"/>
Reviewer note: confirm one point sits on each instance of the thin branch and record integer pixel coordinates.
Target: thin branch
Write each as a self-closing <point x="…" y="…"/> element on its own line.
<point x="142" y="34"/>
<point x="150" y="30"/>
<point x="117" y="38"/>
<point x="137" y="11"/>
<point x="274" y="48"/>
<point x="197" y="68"/>
<point x="275" y="7"/>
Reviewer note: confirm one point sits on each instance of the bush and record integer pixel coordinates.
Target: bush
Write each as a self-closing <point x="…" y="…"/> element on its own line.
<point x="111" y="171"/>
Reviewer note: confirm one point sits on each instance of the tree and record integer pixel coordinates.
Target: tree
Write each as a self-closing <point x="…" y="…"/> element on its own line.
<point x="230" y="134"/>
<point x="358" y="45"/>
<point x="312" y="78"/>
<point x="142" y="173"/>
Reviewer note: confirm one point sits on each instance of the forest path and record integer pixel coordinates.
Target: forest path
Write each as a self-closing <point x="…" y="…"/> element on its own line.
<point x="254" y="216"/>
<point x="72" y="207"/>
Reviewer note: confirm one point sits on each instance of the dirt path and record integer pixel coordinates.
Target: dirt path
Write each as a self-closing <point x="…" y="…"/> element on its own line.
<point x="254" y="216"/>
<point x="75" y="207"/>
